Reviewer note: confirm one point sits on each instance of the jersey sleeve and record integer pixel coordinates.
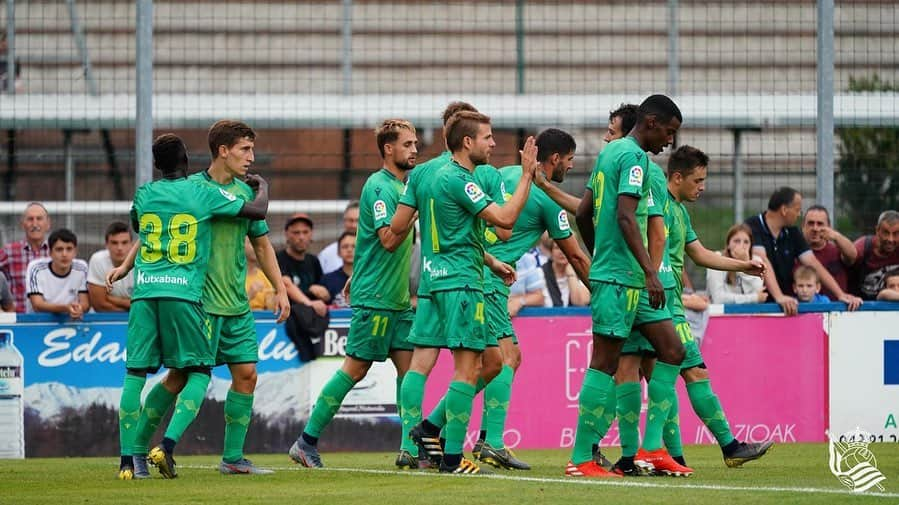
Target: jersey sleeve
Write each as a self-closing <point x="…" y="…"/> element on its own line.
<point x="467" y="193"/>
<point x="408" y="197"/>
<point x="658" y="188"/>
<point x="632" y="170"/>
<point x="382" y="201"/>
<point x="690" y="233"/>
<point x="220" y="202"/>
<point x="257" y="228"/>
<point x="555" y="219"/>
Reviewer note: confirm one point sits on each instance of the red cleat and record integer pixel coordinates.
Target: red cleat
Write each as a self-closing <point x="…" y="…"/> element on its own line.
<point x="589" y="469"/>
<point x="659" y="462"/>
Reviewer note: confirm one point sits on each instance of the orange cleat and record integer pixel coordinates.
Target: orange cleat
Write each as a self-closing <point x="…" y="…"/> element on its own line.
<point x="589" y="469"/>
<point x="659" y="462"/>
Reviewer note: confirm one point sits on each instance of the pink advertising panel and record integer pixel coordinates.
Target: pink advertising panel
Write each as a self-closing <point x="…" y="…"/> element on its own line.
<point x="769" y="372"/>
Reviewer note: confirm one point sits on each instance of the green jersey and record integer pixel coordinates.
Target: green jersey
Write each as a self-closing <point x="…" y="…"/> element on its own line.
<point x="173" y="219"/>
<point x="380" y="277"/>
<point x="225" y="293"/>
<point x="490" y="180"/>
<point x="621" y="169"/>
<point x="539" y="214"/>
<point x="452" y="254"/>
<point x="679" y="235"/>
<point x="423" y="175"/>
<point x="659" y="205"/>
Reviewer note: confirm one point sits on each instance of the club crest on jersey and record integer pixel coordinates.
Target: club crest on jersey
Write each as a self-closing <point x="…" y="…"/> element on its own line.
<point x="563" y="221"/>
<point x="228" y="195"/>
<point x="380" y="209"/>
<point x="474" y="192"/>
<point x="635" y="177"/>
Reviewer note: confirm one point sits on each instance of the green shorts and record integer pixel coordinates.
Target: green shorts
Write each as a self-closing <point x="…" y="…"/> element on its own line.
<point x="450" y="319"/>
<point x="237" y="340"/>
<point x="499" y="324"/>
<point x="170" y="332"/>
<point x="692" y="356"/>
<point x="375" y="332"/>
<point x="636" y="343"/>
<point x="617" y="309"/>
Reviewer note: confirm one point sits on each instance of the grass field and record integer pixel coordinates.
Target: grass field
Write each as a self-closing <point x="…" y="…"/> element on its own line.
<point x="792" y="474"/>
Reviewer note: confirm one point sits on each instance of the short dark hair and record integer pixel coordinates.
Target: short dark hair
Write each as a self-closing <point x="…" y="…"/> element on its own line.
<point x="891" y="273"/>
<point x="227" y="133"/>
<point x="661" y="107"/>
<point x="463" y="124"/>
<point x="455" y="107"/>
<point x="819" y="208"/>
<point x="343" y="236"/>
<point x="628" y="113"/>
<point x="685" y="160"/>
<point x="783" y="196"/>
<point x="169" y="153"/>
<point x="115" y="228"/>
<point x="552" y="141"/>
<point x="64" y="235"/>
<point x="389" y="132"/>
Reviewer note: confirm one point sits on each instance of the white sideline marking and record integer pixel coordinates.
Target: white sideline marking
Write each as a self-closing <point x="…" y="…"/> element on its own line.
<point x="575" y="481"/>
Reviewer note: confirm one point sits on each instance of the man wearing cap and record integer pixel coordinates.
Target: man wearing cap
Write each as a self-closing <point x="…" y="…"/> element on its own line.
<point x="300" y="267"/>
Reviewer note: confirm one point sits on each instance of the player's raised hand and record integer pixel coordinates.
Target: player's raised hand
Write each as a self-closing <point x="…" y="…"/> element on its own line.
<point x="114" y="275"/>
<point x="255" y="181"/>
<point x="529" y="157"/>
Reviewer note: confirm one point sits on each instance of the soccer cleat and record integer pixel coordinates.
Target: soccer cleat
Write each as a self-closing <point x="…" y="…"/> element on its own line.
<point x="601" y="460"/>
<point x="476" y="450"/>
<point x="589" y="469"/>
<point x="627" y="468"/>
<point x="126" y="473"/>
<point x="501" y="458"/>
<point x="428" y="445"/>
<point x="465" y="467"/>
<point x="164" y="461"/>
<point x="141" y="471"/>
<point x="406" y="461"/>
<point x="242" y="467"/>
<point x="747" y="452"/>
<point x="305" y="454"/>
<point x="659" y="462"/>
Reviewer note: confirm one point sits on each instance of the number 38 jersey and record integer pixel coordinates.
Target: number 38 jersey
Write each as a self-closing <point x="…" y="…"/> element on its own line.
<point x="173" y="219"/>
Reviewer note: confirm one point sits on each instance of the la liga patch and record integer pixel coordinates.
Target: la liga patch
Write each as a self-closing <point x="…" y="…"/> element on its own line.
<point x="380" y="209"/>
<point x="635" y="176"/>
<point x="474" y="192"/>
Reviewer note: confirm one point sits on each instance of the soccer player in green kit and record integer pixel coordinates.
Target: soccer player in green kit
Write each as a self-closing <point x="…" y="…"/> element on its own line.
<point x="167" y="324"/>
<point x="625" y="286"/>
<point x="379" y="292"/>
<point x="452" y="209"/>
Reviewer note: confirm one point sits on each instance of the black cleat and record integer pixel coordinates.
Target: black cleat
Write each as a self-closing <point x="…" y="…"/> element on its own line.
<point x="627" y="468"/>
<point x="501" y="458"/>
<point x="164" y="461"/>
<point x="465" y="467"/>
<point x="746" y="452"/>
<point x="406" y="461"/>
<point x="428" y="445"/>
<point x="601" y="460"/>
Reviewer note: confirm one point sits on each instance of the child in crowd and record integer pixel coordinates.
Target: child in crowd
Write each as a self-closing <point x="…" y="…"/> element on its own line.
<point x="807" y="286"/>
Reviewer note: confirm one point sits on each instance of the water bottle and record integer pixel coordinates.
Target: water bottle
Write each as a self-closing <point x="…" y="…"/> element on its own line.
<point x="12" y="405"/>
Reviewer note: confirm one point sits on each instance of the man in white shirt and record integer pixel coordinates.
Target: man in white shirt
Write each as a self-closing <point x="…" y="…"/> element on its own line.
<point x="118" y="243"/>
<point x="329" y="257"/>
<point x="59" y="283"/>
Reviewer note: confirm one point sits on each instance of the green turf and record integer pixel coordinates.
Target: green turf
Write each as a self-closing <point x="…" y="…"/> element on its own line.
<point x="793" y="474"/>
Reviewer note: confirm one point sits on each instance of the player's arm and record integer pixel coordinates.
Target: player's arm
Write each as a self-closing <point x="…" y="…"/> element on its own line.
<point x="506" y="215"/>
<point x="402" y="220"/>
<point x="583" y="216"/>
<point x="258" y="208"/>
<point x="268" y="262"/>
<point x="390" y="240"/>
<point x="626" y="216"/>
<point x="568" y="202"/>
<point x="504" y="271"/>
<point x="655" y="236"/>
<point x="576" y="257"/>
<point x="503" y="234"/>
<point x="710" y="259"/>
<point x="808" y="258"/>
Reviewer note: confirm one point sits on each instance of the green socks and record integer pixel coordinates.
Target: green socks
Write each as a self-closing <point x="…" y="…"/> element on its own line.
<point x="399" y="393"/>
<point x="671" y="431"/>
<point x="458" y="413"/>
<point x="188" y="405"/>
<point x="661" y="397"/>
<point x="437" y="417"/>
<point x="596" y="411"/>
<point x="708" y="408"/>
<point x="238" y="411"/>
<point x="129" y="412"/>
<point x="328" y="402"/>
<point x="496" y="406"/>
<point x="413" y="393"/>
<point x="159" y="401"/>
<point x="629" y="400"/>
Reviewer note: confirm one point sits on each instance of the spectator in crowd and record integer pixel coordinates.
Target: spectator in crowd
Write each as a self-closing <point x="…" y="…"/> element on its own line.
<point x="777" y="240"/>
<point x="736" y="287"/>
<point x="118" y="243"/>
<point x="260" y="291"/>
<point x="696" y="309"/>
<point x="807" y="286"/>
<point x="563" y="288"/>
<point x="300" y="267"/>
<point x="330" y="256"/>
<point x="15" y="256"/>
<point x="527" y="291"/>
<point x="890" y="291"/>
<point x="836" y="252"/>
<point x="336" y="280"/>
<point x="4" y="78"/>
<point x="7" y="304"/>
<point x="542" y="250"/>
<point x="877" y="255"/>
<point x="59" y="283"/>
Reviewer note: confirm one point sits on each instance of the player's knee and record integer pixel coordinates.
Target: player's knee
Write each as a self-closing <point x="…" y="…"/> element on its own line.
<point x="673" y="355"/>
<point x="490" y="369"/>
<point x="245" y="381"/>
<point x="175" y="379"/>
<point x="512" y="358"/>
